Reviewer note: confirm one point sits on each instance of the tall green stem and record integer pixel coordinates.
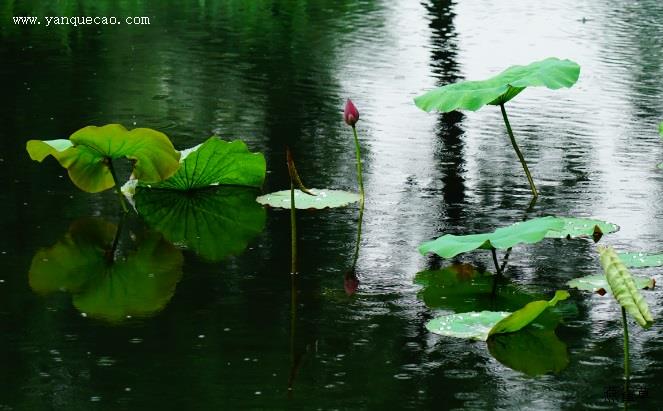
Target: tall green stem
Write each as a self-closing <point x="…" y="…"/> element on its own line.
<point x="359" y="171"/>
<point x="117" y="187"/>
<point x="518" y="153"/>
<point x="627" y="370"/>
<point x="359" y="224"/>
<point x="293" y="231"/>
<point x="497" y="264"/>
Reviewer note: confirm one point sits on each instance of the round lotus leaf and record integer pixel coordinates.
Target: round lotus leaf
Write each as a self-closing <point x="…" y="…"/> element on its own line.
<point x="638" y="260"/>
<point x="323" y="198"/>
<point x="582" y="227"/>
<point x="597" y="283"/>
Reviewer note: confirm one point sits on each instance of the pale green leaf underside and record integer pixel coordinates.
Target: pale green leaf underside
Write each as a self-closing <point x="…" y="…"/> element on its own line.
<point x="472" y="325"/>
<point x="582" y="227"/>
<point x="552" y="73"/>
<point x="480" y="325"/>
<point x="85" y="154"/>
<point x="213" y="223"/>
<point x="217" y="162"/>
<point x="139" y="285"/>
<point x="624" y="288"/>
<point x="598" y="282"/>
<point x="639" y="260"/>
<point x="323" y="199"/>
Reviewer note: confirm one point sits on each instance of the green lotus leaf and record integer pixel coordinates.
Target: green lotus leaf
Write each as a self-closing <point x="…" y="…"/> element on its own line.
<point x="660" y="129"/>
<point x="323" y="198"/>
<point x="216" y="162"/>
<point x="102" y="286"/>
<point x="529" y="232"/>
<point x="87" y="153"/>
<point x="582" y="227"/>
<point x="640" y="260"/>
<point x="214" y="223"/>
<point x="624" y="288"/>
<point x="470" y="325"/>
<point x="552" y="73"/>
<point x="597" y="283"/>
<point x="462" y="287"/>
<point x="521" y="318"/>
<point x="531" y="351"/>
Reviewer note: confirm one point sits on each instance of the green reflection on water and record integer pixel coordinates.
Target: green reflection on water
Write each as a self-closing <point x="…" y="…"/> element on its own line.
<point x="109" y="279"/>
<point x="214" y="223"/>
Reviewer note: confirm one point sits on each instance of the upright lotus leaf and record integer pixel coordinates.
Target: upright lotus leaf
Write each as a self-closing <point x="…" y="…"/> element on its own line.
<point x="321" y="199"/>
<point x="582" y="227"/>
<point x="532" y="351"/>
<point x="552" y="73"/>
<point x="527" y="314"/>
<point x="83" y="263"/>
<point x="462" y="287"/>
<point x="623" y="287"/>
<point x="529" y="232"/>
<point x="216" y="162"/>
<point x="640" y="260"/>
<point x="214" y="223"/>
<point x="88" y="153"/>
<point x="598" y="283"/>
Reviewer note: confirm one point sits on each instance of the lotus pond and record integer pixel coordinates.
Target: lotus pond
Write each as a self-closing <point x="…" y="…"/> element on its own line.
<point x="495" y="261"/>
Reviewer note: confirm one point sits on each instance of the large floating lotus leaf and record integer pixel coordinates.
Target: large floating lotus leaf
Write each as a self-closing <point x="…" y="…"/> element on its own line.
<point x="214" y="223"/>
<point x="639" y="260"/>
<point x="85" y="155"/>
<point x="531" y="351"/>
<point x="322" y="199"/>
<point x="624" y="288"/>
<point x="529" y="232"/>
<point x="216" y="162"/>
<point x="527" y="314"/>
<point x="461" y="287"/>
<point x="471" y="325"/>
<point x="599" y="284"/>
<point x="552" y="73"/>
<point x="582" y="227"/>
<point x="103" y="286"/>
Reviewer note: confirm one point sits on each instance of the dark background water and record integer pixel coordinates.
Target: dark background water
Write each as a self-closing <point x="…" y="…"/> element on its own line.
<point x="277" y="73"/>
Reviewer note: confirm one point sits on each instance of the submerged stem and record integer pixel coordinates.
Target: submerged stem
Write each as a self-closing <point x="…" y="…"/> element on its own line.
<point x="293" y="231"/>
<point x="497" y="264"/>
<point x="359" y="171"/>
<point x="518" y="153"/>
<point x="118" y="189"/>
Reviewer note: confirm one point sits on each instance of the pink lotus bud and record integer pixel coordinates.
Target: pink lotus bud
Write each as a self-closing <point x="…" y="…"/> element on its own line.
<point x="351" y="114"/>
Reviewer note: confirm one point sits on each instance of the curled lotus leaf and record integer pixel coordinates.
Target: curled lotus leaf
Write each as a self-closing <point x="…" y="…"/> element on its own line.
<point x="624" y="288"/>
<point x="88" y="152"/>
<point x="552" y="73"/>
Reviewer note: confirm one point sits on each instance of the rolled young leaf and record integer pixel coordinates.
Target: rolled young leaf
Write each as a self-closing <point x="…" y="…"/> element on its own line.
<point x="623" y="287"/>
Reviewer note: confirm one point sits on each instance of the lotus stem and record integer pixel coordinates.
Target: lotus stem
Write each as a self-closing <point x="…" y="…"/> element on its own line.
<point x="118" y="189"/>
<point x="359" y="224"/>
<point x="293" y="230"/>
<point x="626" y="350"/>
<point x="518" y="153"/>
<point x="359" y="169"/>
<point x="497" y="264"/>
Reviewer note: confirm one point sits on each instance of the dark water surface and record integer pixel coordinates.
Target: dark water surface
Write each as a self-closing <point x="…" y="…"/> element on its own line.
<point x="278" y="72"/>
